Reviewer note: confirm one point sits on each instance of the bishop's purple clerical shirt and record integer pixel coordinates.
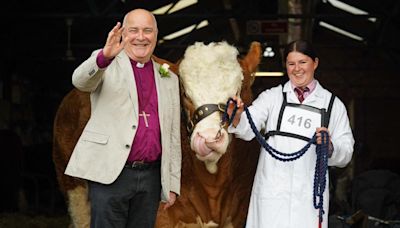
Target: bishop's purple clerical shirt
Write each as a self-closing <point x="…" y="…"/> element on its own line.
<point x="146" y="145"/>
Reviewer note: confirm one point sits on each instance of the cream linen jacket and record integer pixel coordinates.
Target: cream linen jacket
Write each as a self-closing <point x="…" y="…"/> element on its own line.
<point x="106" y="141"/>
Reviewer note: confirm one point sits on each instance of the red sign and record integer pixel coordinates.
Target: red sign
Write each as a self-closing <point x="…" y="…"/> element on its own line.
<point x="266" y="27"/>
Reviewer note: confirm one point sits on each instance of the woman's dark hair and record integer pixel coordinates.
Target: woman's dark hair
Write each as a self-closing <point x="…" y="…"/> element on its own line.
<point x="301" y="46"/>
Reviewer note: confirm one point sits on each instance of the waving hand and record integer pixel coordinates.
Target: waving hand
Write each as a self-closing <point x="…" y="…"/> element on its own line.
<point x="114" y="43"/>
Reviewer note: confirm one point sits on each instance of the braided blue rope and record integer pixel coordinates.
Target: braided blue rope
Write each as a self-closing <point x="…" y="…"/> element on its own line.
<point x="285" y="157"/>
<point x="321" y="166"/>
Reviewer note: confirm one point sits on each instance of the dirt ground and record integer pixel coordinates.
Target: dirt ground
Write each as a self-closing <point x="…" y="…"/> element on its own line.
<point x="8" y="220"/>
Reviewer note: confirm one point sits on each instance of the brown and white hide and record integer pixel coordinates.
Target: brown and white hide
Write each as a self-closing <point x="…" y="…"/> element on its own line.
<point x="216" y="184"/>
<point x="71" y="117"/>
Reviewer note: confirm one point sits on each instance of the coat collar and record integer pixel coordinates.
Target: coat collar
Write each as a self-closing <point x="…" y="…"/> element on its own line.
<point x="318" y="93"/>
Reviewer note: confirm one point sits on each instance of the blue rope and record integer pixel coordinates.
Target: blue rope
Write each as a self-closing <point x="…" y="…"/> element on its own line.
<point x="321" y="165"/>
<point x="321" y="169"/>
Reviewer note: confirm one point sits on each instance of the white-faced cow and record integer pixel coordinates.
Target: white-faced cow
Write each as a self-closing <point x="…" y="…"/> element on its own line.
<point x="217" y="170"/>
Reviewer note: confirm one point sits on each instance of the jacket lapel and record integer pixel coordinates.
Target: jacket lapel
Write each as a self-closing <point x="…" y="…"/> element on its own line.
<point x="131" y="84"/>
<point x="290" y="95"/>
<point x="160" y="93"/>
<point x="127" y="70"/>
<point x="316" y="97"/>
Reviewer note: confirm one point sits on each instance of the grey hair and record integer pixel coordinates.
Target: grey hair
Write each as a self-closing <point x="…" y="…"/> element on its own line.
<point x="139" y="9"/>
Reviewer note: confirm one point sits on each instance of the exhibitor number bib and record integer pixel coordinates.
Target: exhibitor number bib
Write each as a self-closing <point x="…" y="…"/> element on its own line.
<point x="301" y="121"/>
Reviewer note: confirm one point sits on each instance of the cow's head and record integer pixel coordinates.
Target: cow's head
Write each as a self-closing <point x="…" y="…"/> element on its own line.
<point x="209" y="75"/>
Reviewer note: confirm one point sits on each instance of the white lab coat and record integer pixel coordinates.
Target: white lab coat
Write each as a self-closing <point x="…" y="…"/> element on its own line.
<point x="282" y="194"/>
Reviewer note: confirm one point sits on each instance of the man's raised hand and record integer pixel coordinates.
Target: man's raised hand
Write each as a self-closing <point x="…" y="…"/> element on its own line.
<point x="114" y="44"/>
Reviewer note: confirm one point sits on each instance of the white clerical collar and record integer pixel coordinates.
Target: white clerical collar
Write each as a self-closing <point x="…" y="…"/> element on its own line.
<point x="139" y="65"/>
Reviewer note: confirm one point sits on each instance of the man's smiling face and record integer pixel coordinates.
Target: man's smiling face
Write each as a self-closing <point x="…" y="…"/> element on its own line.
<point x="141" y="29"/>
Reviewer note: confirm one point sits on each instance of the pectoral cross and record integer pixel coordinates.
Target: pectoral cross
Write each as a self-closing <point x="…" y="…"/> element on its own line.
<point x="144" y="115"/>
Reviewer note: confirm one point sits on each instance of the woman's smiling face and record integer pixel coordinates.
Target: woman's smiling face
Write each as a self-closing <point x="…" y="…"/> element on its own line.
<point x="300" y="68"/>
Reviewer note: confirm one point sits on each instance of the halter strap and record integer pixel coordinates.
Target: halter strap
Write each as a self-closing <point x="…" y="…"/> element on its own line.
<point x="202" y="112"/>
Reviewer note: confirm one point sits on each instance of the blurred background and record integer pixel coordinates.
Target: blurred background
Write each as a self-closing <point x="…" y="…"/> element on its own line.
<point x="357" y="42"/>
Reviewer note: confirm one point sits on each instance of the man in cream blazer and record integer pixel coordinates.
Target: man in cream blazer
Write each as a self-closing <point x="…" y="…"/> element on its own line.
<point x="105" y="144"/>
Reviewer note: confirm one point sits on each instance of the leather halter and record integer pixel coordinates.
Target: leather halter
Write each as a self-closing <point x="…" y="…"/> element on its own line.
<point x="202" y="112"/>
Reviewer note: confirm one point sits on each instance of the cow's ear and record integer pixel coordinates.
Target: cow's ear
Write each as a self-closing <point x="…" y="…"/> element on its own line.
<point x="174" y="67"/>
<point x="249" y="66"/>
<point x="250" y="62"/>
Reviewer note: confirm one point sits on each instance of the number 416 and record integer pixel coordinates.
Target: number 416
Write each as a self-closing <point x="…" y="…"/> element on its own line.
<point x="306" y="123"/>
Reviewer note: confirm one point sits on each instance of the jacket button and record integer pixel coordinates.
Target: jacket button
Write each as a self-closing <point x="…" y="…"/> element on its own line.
<point x="127" y="146"/>
<point x="133" y="126"/>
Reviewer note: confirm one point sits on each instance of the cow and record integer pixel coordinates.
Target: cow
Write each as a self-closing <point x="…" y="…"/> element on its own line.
<point x="217" y="169"/>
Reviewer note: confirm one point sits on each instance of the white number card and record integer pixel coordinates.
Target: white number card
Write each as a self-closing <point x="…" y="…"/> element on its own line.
<point x="300" y="121"/>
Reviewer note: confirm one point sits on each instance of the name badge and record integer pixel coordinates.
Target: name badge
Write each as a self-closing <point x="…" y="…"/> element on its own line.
<point x="300" y="121"/>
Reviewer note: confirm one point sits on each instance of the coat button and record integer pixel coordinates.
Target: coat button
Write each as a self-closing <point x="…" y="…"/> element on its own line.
<point x="133" y="126"/>
<point x="127" y="146"/>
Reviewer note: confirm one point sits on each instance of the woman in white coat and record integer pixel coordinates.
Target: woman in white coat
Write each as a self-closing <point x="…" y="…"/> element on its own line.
<point x="282" y="194"/>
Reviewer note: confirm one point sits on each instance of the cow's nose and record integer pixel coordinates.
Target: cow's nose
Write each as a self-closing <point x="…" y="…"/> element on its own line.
<point x="218" y="135"/>
<point x="211" y="135"/>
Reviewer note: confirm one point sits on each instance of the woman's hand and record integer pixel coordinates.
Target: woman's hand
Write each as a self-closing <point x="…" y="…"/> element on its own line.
<point x="240" y="108"/>
<point x="319" y="139"/>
